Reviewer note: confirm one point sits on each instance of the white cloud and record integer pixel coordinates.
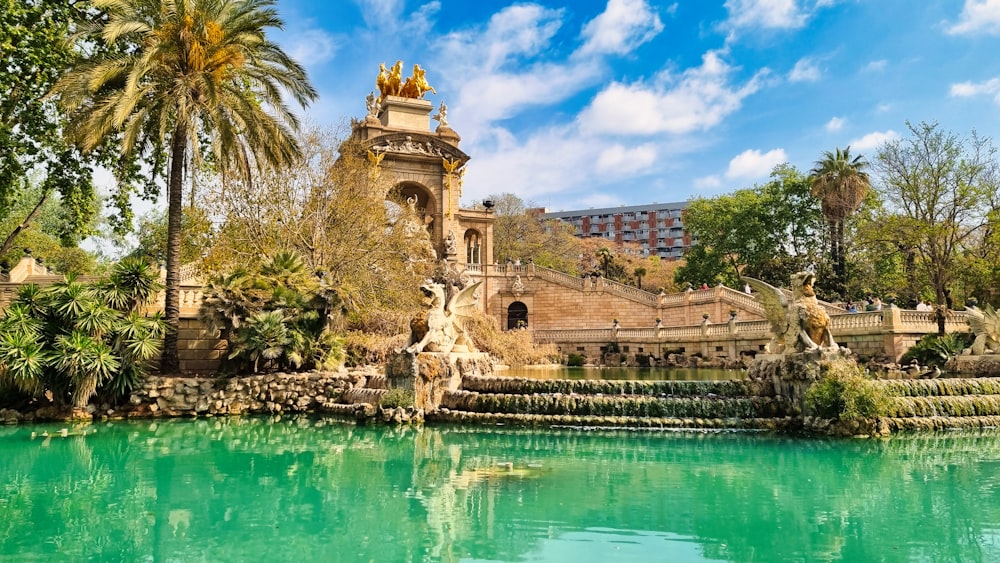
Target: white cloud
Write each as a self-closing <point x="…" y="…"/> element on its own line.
<point x="978" y="16"/>
<point x="876" y="66"/>
<point x="835" y="124"/>
<point x="989" y="87"/>
<point x="883" y="107"/>
<point x="872" y="140"/>
<point x="805" y="70"/>
<point x="768" y="14"/>
<point x="551" y="161"/>
<point x="488" y="75"/>
<point x="696" y="100"/>
<point x="311" y="47"/>
<point x="391" y="17"/>
<point x="752" y="163"/>
<point x="619" y="159"/>
<point x="620" y="28"/>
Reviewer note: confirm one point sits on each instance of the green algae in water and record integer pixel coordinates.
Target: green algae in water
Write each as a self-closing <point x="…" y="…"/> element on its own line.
<point x="256" y="489"/>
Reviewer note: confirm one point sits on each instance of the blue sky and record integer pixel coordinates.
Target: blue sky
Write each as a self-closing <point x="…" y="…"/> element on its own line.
<point x="592" y="103"/>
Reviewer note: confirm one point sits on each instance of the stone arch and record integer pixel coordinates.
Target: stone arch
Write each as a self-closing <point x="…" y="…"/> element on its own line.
<point x="517" y="315"/>
<point x="425" y="199"/>
<point x="473" y="247"/>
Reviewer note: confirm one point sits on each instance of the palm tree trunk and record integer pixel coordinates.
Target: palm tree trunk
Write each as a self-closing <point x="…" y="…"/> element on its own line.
<point x="170" y="361"/>
<point x="836" y="255"/>
<point x="839" y="263"/>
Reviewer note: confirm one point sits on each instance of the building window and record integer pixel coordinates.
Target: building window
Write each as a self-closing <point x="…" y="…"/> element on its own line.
<point x="473" y="248"/>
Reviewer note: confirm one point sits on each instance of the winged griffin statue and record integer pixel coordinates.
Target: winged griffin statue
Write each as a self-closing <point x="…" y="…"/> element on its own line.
<point x="985" y="324"/>
<point x="441" y="330"/>
<point x="799" y="325"/>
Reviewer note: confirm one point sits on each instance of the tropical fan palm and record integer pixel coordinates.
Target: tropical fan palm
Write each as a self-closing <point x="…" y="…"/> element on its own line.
<point x="67" y="339"/>
<point x="841" y="183"/>
<point x="190" y="67"/>
<point x="265" y="336"/>
<point x="277" y="313"/>
<point x="132" y="282"/>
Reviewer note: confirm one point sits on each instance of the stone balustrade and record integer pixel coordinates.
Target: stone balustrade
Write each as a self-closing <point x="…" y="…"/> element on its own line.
<point x="889" y="332"/>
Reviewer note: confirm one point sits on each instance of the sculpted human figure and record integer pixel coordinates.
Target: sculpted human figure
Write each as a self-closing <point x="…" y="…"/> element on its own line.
<point x="442" y="115"/>
<point x="394" y="81"/>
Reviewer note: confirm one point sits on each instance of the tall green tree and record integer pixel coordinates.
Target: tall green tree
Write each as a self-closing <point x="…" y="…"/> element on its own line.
<point x="37" y="165"/>
<point x="765" y="232"/>
<point x="940" y="193"/>
<point x="841" y="183"/>
<point x="190" y="70"/>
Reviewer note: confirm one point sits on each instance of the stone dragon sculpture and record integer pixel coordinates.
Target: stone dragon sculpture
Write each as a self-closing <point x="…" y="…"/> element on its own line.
<point x="441" y="329"/>
<point x="799" y="325"/>
<point x="985" y="324"/>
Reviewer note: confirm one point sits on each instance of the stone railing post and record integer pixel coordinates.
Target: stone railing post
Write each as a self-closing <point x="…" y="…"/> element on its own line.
<point x="891" y="325"/>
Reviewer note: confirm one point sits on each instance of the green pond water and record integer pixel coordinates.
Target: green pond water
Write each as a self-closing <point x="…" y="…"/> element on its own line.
<point x="256" y="489"/>
<point x="637" y="374"/>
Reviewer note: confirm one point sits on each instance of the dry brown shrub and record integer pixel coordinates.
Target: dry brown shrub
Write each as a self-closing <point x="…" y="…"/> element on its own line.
<point x="513" y="347"/>
<point x="387" y="322"/>
<point x="367" y="348"/>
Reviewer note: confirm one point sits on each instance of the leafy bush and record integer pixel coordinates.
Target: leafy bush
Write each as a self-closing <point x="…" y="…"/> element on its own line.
<point x="72" y="340"/>
<point x="575" y="360"/>
<point x="397" y="398"/>
<point x="934" y="350"/>
<point x="277" y="316"/>
<point x="843" y="392"/>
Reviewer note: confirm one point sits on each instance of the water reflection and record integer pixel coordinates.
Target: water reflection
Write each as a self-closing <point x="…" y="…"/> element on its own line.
<point x="303" y="490"/>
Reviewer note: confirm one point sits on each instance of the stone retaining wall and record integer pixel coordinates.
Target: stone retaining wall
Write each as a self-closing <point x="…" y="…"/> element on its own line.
<point x="331" y="392"/>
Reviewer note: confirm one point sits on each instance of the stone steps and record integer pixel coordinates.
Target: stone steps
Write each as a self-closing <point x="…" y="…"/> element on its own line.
<point x="942" y="422"/>
<point x="615" y="405"/>
<point x="528" y="386"/>
<point x="510" y="419"/>
<point x="945" y="406"/>
<point x="941" y="387"/>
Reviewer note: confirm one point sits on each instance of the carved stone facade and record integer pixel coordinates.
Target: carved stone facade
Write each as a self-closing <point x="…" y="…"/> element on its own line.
<point x="428" y="166"/>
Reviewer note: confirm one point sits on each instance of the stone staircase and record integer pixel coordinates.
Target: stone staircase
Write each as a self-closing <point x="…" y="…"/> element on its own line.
<point x="933" y="404"/>
<point x="740" y="404"/>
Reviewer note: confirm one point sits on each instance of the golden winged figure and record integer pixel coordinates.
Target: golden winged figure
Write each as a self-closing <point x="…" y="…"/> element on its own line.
<point x="450" y="165"/>
<point x="798" y="325"/>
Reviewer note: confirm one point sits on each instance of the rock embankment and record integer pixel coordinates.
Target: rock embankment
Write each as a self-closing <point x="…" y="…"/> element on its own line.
<point x="355" y="394"/>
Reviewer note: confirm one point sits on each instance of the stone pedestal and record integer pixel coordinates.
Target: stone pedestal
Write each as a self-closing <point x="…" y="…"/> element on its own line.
<point x="406" y="113"/>
<point x="791" y="375"/>
<point x="430" y="374"/>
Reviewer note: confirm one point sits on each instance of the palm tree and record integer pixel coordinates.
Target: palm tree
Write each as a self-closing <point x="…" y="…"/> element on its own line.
<point x="841" y="183"/>
<point x="187" y="72"/>
<point x="639" y="272"/>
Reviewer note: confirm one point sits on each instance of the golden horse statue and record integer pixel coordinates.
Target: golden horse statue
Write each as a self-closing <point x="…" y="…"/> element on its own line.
<point x="390" y="82"/>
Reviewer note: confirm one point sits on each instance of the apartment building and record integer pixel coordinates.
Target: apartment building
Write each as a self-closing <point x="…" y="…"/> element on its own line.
<point x="657" y="227"/>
